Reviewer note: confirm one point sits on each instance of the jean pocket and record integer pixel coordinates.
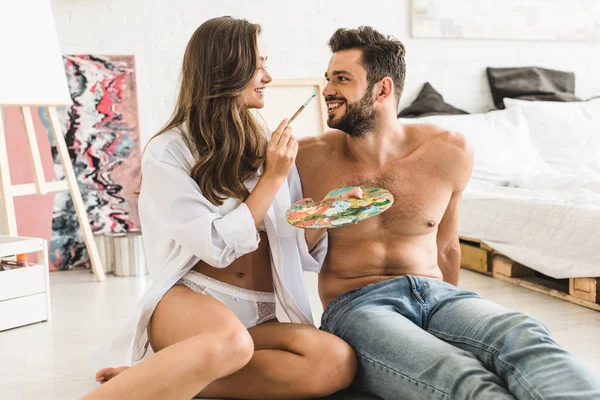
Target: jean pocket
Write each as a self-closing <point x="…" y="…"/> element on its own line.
<point x="337" y="303"/>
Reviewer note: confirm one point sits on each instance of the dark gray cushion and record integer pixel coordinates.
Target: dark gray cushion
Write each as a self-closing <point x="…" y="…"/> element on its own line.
<point x="429" y="102"/>
<point x="530" y="83"/>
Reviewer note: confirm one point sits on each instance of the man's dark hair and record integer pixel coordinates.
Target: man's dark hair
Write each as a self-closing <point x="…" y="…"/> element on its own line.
<point x="381" y="55"/>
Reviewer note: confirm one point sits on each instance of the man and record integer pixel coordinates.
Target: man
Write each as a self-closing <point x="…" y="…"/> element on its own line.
<point x="388" y="283"/>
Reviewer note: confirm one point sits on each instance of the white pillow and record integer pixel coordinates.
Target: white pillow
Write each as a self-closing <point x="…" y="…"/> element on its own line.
<point x="502" y="147"/>
<point x="567" y="135"/>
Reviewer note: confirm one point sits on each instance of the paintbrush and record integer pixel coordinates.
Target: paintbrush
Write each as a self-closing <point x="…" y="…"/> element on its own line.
<point x="302" y="107"/>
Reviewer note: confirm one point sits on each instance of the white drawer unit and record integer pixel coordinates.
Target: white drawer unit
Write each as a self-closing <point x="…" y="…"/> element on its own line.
<point x="24" y="292"/>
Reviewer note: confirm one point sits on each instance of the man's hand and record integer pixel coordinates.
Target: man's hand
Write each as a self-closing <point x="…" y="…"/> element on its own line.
<point x="314" y="235"/>
<point x="355" y="192"/>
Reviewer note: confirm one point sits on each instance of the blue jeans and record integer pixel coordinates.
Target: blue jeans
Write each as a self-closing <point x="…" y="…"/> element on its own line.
<point x="422" y="338"/>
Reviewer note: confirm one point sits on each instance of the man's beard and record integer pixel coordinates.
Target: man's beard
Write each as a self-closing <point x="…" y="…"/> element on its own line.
<point x="359" y="118"/>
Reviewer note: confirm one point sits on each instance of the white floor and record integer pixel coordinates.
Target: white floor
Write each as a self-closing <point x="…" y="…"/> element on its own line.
<point x="51" y="360"/>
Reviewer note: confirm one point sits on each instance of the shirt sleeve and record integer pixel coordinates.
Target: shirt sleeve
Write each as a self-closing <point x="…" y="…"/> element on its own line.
<point x="311" y="260"/>
<point x="170" y="195"/>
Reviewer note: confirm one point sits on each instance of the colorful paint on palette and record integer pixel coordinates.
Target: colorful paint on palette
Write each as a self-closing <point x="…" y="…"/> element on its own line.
<point x="335" y="210"/>
<point x="102" y="132"/>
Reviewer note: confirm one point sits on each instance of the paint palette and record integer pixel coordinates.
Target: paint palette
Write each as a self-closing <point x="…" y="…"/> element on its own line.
<point x="335" y="210"/>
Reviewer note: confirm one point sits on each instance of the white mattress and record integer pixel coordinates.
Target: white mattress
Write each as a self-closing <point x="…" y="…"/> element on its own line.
<point x="555" y="232"/>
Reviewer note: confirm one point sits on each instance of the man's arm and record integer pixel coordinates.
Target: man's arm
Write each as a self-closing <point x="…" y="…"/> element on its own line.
<point x="447" y="241"/>
<point x="448" y="245"/>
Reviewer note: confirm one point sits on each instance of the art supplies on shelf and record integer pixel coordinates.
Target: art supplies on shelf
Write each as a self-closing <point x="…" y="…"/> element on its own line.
<point x="24" y="291"/>
<point x="20" y="261"/>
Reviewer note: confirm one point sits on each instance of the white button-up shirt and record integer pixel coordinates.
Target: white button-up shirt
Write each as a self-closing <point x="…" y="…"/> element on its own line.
<point x="181" y="227"/>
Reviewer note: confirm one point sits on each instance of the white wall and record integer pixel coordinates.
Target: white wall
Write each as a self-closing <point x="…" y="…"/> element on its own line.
<point x="156" y="31"/>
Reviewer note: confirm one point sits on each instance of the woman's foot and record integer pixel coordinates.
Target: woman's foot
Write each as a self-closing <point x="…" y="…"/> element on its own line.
<point x="106" y="374"/>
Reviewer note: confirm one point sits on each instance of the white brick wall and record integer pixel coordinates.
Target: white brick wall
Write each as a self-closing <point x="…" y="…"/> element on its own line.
<point x="156" y="31"/>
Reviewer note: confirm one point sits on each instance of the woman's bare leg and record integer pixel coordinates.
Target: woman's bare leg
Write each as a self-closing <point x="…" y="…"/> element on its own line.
<point x="290" y="361"/>
<point x="218" y="346"/>
<point x="177" y="372"/>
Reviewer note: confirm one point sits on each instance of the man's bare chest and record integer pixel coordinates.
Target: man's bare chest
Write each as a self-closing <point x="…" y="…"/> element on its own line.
<point x="420" y="196"/>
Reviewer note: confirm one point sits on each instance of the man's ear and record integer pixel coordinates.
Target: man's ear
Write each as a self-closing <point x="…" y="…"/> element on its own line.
<point x="384" y="88"/>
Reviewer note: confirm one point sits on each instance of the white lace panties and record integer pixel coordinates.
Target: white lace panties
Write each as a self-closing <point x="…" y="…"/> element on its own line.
<point x="252" y="307"/>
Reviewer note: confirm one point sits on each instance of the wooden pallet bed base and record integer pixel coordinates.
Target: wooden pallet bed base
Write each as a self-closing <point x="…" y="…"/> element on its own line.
<point x="476" y="256"/>
<point x="581" y="291"/>
<point x="481" y="258"/>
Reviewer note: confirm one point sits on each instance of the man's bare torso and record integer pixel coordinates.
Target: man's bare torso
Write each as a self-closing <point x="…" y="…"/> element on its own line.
<point x="401" y="240"/>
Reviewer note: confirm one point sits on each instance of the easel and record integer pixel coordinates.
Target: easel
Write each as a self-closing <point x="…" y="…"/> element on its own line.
<point x="30" y="26"/>
<point x="8" y="191"/>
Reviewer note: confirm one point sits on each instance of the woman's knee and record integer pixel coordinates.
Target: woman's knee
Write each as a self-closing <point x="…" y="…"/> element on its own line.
<point x="342" y="360"/>
<point x="332" y="363"/>
<point x="234" y="344"/>
<point x="228" y="349"/>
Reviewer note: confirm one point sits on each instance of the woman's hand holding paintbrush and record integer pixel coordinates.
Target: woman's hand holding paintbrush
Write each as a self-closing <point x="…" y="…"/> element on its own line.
<point x="280" y="158"/>
<point x="281" y="153"/>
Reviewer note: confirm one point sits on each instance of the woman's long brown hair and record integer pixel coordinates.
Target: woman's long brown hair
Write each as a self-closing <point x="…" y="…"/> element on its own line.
<point x="220" y="61"/>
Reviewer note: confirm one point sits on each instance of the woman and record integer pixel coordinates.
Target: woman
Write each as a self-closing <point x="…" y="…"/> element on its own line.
<point x="225" y="264"/>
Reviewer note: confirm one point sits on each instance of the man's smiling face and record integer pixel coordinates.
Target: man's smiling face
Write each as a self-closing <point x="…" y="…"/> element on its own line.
<point x="350" y="103"/>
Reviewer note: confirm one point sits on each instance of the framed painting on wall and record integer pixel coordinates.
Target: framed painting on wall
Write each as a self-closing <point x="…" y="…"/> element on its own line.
<point x="285" y="96"/>
<point x="556" y="20"/>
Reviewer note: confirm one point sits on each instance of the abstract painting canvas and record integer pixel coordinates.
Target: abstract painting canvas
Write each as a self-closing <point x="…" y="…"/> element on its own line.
<point x="102" y="133"/>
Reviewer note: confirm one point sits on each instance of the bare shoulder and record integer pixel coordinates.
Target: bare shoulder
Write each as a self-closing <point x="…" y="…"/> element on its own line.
<point x="440" y="139"/>
<point x="320" y="142"/>
<point x="311" y="143"/>
<point x="452" y="151"/>
<point x="313" y="149"/>
<point x="455" y="142"/>
<point x="457" y="157"/>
